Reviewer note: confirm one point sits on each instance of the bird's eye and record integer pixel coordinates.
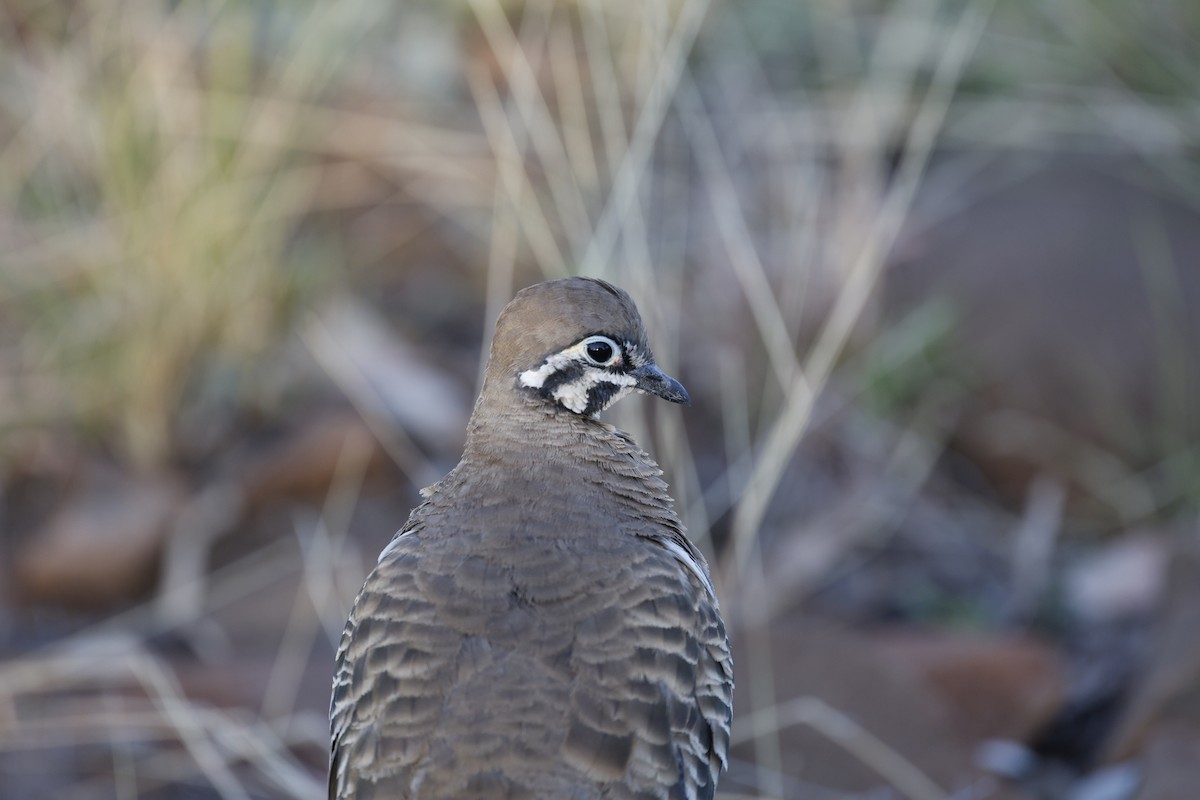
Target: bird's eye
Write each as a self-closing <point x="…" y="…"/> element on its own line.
<point x="601" y="350"/>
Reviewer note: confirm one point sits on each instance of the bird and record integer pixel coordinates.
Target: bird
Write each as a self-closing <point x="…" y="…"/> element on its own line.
<point x="541" y="627"/>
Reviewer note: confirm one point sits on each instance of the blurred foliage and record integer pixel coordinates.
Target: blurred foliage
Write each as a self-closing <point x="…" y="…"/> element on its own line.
<point x="181" y="179"/>
<point x="162" y="163"/>
<point x="902" y="367"/>
<point x="157" y="160"/>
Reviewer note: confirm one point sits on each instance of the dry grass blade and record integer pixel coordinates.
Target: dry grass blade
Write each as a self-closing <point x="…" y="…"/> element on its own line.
<point x="731" y="223"/>
<point x="1034" y="543"/>
<point x="610" y="111"/>
<point x="98" y="664"/>
<point x="780" y="441"/>
<point x="633" y="164"/>
<point x="837" y="727"/>
<point x="359" y="390"/>
<point x="163" y="198"/>
<point x="572" y="106"/>
<point x="535" y="113"/>
<point x="314" y="609"/>
<point x="521" y="199"/>
<point x="188" y="726"/>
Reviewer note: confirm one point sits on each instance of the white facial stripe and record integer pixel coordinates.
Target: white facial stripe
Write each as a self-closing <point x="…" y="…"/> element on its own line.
<point x="574" y="395"/>
<point x="536" y="378"/>
<point x="635" y="356"/>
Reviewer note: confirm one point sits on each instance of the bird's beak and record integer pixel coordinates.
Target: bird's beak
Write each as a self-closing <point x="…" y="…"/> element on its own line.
<point x="653" y="380"/>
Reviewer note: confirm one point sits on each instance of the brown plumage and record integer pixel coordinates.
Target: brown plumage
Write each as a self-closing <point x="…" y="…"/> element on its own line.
<point x="541" y="627"/>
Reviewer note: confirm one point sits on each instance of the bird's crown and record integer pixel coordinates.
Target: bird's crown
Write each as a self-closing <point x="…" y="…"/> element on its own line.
<point x="578" y="344"/>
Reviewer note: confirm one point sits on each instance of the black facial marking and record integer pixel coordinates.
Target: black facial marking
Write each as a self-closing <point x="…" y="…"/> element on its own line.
<point x="599" y="396"/>
<point x="568" y="374"/>
<point x="602" y="393"/>
<point x="634" y="354"/>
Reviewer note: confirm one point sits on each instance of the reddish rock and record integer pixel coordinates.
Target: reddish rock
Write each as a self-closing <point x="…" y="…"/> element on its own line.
<point x="1168" y="688"/>
<point x="305" y="464"/>
<point x="1171" y="763"/>
<point x="1004" y="687"/>
<point x="102" y="547"/>
<point x="814" y="700"/>
<point x="1073" y="287"/>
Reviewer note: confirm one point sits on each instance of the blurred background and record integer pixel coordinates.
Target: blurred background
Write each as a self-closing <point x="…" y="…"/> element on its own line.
<point x="930" y="270"/>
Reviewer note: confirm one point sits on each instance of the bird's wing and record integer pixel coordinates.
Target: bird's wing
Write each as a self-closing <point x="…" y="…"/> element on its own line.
<point x="630" y="666"/>
<point x="394" y="664"/>
<point x="651" y="703"/>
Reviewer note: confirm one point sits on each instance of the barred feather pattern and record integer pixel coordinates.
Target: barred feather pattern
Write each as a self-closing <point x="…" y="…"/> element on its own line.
<point x="568" y="645"/>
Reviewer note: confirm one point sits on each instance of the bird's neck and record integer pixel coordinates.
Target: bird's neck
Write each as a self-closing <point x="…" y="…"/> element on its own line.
<point x="532" y="438"/>
<point x="558" y="460"/>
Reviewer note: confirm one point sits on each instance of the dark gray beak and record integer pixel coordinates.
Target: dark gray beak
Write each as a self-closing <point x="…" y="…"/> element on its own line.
<point x="653" y="380"/>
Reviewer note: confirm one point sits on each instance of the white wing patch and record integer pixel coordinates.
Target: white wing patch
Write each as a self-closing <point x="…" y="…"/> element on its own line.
<point x="692" y="566"/>
<point x="392" y="545"/>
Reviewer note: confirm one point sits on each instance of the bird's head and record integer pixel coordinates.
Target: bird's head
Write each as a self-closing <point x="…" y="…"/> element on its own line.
<point x="578" y="344"/>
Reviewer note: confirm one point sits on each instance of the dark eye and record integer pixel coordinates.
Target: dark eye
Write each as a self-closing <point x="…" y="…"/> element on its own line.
<point x="601" y="350"/>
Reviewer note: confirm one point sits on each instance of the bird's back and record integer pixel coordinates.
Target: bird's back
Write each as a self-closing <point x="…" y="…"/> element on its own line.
<point x="548" y="655"/>
<point x="542" y="627"/>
